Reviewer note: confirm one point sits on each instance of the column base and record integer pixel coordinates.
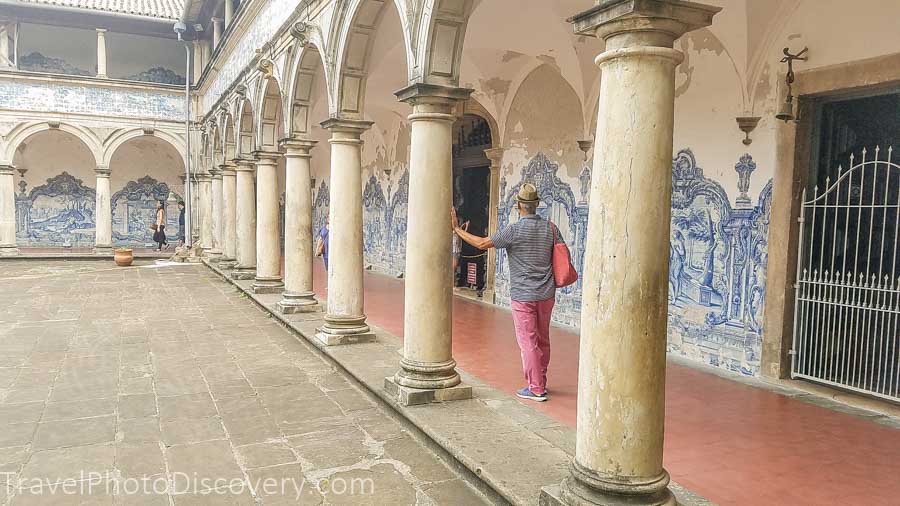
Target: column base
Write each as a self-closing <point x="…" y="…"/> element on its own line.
<point x="340" y="330"/>
<point x="9" y="251"/>
<point x="227" y="263"/>
<point x="587" y="488"/>
<point x="213" y="255"/>
<point x="427" y="375"/>
<point x="266" y="284"/>
<point x="407" y="396"/>
<point x="293" y="303"/>
<point x="243" y="273"/>
<point x="103" y="250"/>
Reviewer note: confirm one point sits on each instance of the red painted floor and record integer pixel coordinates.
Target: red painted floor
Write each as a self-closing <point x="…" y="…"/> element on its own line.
<point x="731" y="443"/>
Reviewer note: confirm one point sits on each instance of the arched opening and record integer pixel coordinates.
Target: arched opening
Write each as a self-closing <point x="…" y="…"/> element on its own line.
<point x="55" y="191"/>
<point x="375" y="38"/>
<point x="270" y="131"/>
<point x="144" y="171"/>
<point x="309" y="106"/>
<point x="471" y="195"/>
<point x="271" y="120"/>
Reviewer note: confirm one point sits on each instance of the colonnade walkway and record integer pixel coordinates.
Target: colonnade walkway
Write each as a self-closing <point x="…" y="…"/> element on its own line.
<point x="733" y="443"/>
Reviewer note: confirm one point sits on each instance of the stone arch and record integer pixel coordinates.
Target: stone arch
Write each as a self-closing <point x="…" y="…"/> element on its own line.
<point x="25" y="130"/>
<point x="229" y="147"/>
<point x="358" y="21"/>
<point x="119" y="138"/>
<point x="441" y="31"/>
<point x="270" y="117"/>
<point x="215" y="154"/>
<point x="246" y="140"/>
<point x="308" y="66"/>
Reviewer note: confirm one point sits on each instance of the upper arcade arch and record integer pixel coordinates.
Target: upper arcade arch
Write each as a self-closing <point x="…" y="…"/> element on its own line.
<point x="22" y="132"/>
<point x="357" y="24"/>
<point x="114" y="142"/>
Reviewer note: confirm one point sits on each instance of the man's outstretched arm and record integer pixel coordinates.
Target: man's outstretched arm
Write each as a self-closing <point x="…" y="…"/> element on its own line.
<point x="472" y="239"/>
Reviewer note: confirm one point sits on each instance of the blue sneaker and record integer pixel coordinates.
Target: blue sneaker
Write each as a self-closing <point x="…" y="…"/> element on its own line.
<point x="526" y="393"/>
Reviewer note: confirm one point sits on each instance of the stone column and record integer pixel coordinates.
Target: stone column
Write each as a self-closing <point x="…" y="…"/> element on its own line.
<point x="217" y="32"/>
<point x="101" y="52"/>
<point x="495" y="155"/>
<point x="103" y="214"/>
<point x="345" y="319"/>
<point x="427" y="369"/>
<point x="229" y="217"/>
<point x="622" y="362"/>
<point x="298" y="245"/>
<point x="8" y="211"/>
<point x="205" y="197"/>
<point x="216" y="215"/>
<point x="245" y="219"/>
<point x="268" y="233"/>
<point x="229" y="13"/>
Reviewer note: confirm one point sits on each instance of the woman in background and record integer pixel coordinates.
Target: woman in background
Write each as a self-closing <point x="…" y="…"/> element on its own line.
<point x="160" y="235"/>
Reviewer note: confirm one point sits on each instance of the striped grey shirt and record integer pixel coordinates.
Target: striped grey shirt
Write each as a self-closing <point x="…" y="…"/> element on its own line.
<point x="529" y="247"/>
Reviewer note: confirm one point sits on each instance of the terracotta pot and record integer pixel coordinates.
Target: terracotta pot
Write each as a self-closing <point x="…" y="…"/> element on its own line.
<point x="123" y="257"/>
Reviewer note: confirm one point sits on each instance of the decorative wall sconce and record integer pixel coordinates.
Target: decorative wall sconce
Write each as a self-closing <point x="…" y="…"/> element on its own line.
<point x="747" y="124"/>
<point x="21" y="171"/>
<point x="786" y="112"/>
<point x="585" y="146"/>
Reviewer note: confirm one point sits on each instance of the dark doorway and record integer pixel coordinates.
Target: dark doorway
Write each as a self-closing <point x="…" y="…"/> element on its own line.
<point x="847" y="327"/>
<point x="471" y="195"/>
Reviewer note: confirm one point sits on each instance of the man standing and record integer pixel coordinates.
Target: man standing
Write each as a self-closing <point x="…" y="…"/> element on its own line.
<point x="529" y="247"/>
<point x="181" y="233"/>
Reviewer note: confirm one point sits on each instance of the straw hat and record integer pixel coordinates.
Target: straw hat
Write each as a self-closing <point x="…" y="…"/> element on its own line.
<point x="528" y="194"/>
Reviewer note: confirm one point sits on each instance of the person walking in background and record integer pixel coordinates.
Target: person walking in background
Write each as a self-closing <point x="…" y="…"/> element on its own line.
<point x="529" y="247"/>
<point x="181" y="234"/>
<point x="159" y="237"/>
<point x="322" y="244"/>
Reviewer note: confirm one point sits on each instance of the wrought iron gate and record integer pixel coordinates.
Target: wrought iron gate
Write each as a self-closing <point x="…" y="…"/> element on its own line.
<point x="847" y="310"/>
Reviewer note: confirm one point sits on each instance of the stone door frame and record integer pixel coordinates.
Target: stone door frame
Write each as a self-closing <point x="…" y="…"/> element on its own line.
<point x="793" y="145"/>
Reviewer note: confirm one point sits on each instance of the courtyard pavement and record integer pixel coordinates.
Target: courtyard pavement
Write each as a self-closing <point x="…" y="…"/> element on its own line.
<point x="164" y="385"/>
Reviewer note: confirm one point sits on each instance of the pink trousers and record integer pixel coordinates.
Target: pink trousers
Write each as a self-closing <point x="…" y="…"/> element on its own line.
<point x="532" y="322"/>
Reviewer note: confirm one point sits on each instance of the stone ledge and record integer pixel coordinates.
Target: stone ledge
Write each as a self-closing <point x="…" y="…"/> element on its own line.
<point x="488" y="436"/>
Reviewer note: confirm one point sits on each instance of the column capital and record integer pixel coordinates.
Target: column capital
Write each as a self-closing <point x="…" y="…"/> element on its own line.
<point x="7" y="169"/>
<point x="495" y="155"/>
<point x="417" y="93"/>
<point x="203" y="178"/>
<point x="266" y="156"/>
<point x="354" y="127"/>
<point x="216" y="20"/>
<point x="228" y="169"/>
<point x="297" y="147"/>
<point x="213" y="171"/>
<point x="102" y="171"/>
<point x="244" y="164"/>
<point x="101" y="31"/>
<point x="634" y="23"/>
